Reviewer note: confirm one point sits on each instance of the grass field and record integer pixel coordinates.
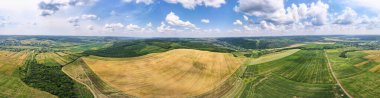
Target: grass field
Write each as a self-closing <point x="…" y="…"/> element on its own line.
<point x="272" y="56"/>
<point x="55" y="58"/>
<point x="344" y="67"/>
<point x="176" y="73"/>
<point x="277" y="86"/>
<point x="358" y="72"/>
<point x="11" y="85"/>
<point x="303" y="74"/>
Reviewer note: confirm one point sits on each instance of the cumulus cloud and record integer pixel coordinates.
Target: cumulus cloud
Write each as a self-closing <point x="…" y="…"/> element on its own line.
<point x="319" y="13"/>
<point x="274" y="11"/>
<point x="89" y="17"/>
<point x="206" y="21"/>
<point x="133" y="27"/>
<point x="80" y="2"/>
<point x="348" y="16"/>
<point x="52" y="6"/>
<point x="165" y="28"/>
<point x="149" y="25"/>
<point x="74" y="21"/>
<point x="259" y="7"/>
<point x="175" y="20"/>
<point x="237" y="22"/>
<point x="265" y="25"/>
<point x="247" y="28"/>
<point x="191" y="4"/>
<point x="49" y="8"/>
<point x="113" y="26"/>
<point x="146" y="2"/>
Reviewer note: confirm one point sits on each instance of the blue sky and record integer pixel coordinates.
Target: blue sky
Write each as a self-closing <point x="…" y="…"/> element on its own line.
<point x="188" y="18"/>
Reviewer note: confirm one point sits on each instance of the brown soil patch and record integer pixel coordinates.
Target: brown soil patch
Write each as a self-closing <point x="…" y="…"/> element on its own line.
<point x="361" y="63"/>
<point x="375" y="69"/>
<point x="375" y="56"/>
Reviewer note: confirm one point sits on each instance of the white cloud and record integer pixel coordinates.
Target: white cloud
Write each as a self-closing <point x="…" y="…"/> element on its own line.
<point x="259" y="7"/>
<point x="265" y="25"/>
<point x="74" y="21"/>
<point x="191" y="4"/>
<point x="247" y="28"/>
<point x="146" y="2"/>
<point x="132" y="27"/>
<point x="49" y="8"/>
<point x="274" y="11"/>
<point x="319" y="12"/>
<point x="174" y="20"/>
<point x="206" y="21"/>
<point x="245" y="18"/>
<point x="113" y="26"/>
<point x="89" y="17"/>
<point x="52" y="6"/>
<point x="90" y="27"/>
<point x="164" y="28"/>
<point x="149" y="25"/>
<point x="350" y="17"/>
<point x="237" y="22"/>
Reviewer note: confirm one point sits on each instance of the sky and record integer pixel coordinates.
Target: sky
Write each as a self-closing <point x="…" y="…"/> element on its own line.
<point x="189" y="18"/>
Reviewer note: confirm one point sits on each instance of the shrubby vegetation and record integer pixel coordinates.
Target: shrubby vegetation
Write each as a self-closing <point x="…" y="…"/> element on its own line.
<point x="258" y="44"/>
<point x="321" y="46"/>
<point x="51" y="79"/>
<point x="269" y="42"/>
<point x="344" y="53"/>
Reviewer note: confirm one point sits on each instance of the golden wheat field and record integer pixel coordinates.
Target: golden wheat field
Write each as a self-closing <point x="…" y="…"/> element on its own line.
<point x="176" y="73"/>
<point x="373" y="55"/>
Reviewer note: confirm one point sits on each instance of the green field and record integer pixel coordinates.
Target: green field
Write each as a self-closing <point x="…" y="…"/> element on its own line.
<point x="11" y="86"/>
<point x="277" y="86"/>
<point x="358" y="81"/>
<point x="302" y="74"/>
<point x="272" y="56"/>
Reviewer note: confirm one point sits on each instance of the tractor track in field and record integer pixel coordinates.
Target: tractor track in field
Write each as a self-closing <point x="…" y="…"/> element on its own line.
<point x="335" y="78"/>
<point x="78" y="81"/>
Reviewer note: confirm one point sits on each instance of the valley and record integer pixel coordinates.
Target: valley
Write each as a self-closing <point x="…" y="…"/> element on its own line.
<point x="200" y="68"/>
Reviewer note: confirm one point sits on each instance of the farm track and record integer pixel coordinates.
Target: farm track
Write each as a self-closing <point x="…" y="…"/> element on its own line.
<point x="335" y="78"/>
<point x="303" y="74"/>
<point x="92" y="91"/>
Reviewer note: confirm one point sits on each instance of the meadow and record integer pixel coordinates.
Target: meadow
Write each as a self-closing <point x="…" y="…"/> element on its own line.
<point x="358" y="72"/>
<point x="302" y="74"/>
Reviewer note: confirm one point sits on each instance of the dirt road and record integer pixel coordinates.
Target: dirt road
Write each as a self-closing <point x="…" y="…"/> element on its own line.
<point x="336" y="79"/>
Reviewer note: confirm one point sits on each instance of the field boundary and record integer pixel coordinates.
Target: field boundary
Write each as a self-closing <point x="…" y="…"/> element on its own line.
<point x="88" y="87"/>
<point x="335" y="78"/>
